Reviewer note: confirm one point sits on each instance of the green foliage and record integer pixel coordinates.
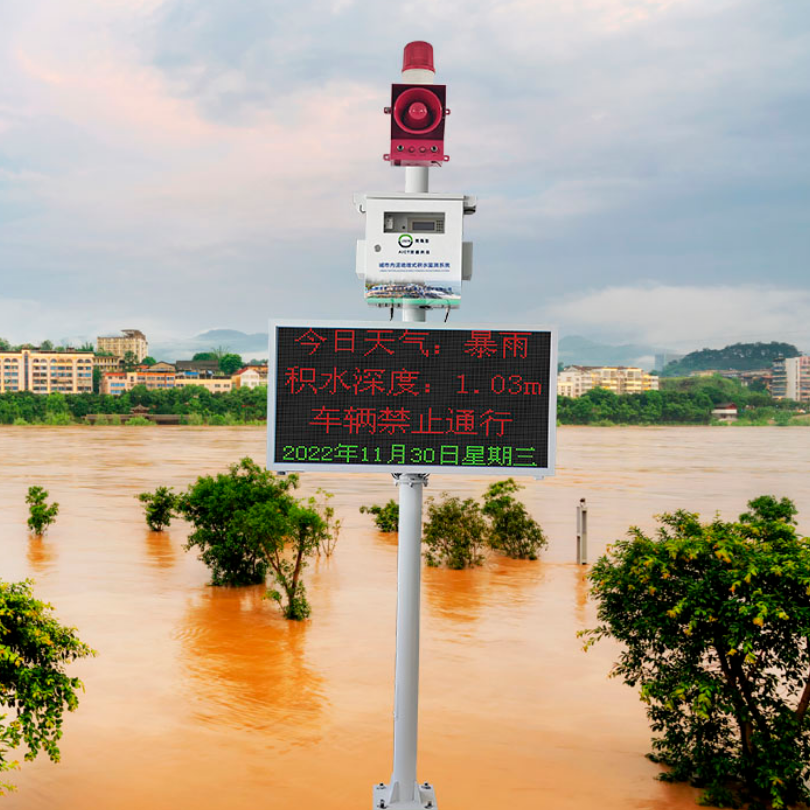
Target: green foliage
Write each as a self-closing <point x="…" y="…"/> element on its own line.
<point x="52" y="418"/>
<point x="148" y="361"/>
<point x="34" y="649"/>
<point x="230" y="363"/>
<point x="241" y="406"/>
<point x="46" y="346"/>
<point x="740" y="356"/>
<point x="222" y="510"/>
<point x="714" y="621"/>
<point x="138" y="421"/>
<point x="130" y="361"/>
<point x="247" y="522"/>
<point x="159" y="508"/>
<point x="386" y="517"/>
<point x="96" y="379"/>
<point x="331" y="533"/>
<point x="41" y="514"/>
<point x="512" y="530"/>
<point x="454" y="533"/>
<point x="289" y="532"/>
<point x="205" y="356"/>
<point x="683" y="400"/>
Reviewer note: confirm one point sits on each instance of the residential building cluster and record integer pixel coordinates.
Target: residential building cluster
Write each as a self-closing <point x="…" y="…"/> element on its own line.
<point x="70" y="371"/>
<point x="574" y="381"/>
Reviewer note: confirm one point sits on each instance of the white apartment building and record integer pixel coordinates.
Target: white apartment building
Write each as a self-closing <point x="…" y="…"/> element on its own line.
<point x="791" y="378"/>
<point x="118" y="382"/>
<point x="574" y="381"/>
<point x="250" y="377"/>
<point x="46" y="372"/>
<point x="130" y="340"/>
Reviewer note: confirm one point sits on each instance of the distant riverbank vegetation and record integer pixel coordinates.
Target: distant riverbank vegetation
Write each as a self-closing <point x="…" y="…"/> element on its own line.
<point x="681" y="401"/>
<point x="193" y="404"/>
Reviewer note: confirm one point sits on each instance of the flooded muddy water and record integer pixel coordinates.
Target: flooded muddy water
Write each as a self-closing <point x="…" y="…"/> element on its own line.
<point x="207" y="698"/>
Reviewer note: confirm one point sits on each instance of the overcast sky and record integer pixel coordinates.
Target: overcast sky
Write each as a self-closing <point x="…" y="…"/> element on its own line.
<point x="642" y="166"/>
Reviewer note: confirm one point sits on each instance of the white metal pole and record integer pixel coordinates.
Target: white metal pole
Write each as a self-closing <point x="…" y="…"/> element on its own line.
<point x="404" y="789"/>
<point x="403" y="792"/>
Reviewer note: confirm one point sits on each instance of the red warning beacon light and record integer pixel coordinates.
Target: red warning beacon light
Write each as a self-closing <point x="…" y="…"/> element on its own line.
<point x="417" y="112"/>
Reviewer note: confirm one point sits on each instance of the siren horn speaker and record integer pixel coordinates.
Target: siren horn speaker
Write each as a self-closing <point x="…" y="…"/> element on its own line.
<point x="418" y="116"/>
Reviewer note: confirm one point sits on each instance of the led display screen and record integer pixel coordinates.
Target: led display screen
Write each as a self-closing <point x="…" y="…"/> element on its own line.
<point x="411" y="397"/>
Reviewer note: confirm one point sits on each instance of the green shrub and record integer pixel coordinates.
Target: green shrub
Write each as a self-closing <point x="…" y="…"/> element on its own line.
<point x="34" y="649"/>
<point x="20" y="421"/>
<point x="386" y="517"/>
<point x="247" y="522"/>
<point x="513" y="531"/>
<point x="57" y="418"/>
<point x="160" y="507"/>
<point x="192" y="419"/>
<point x="454" y="533"/>
<point x="41" y="515"/>
<point x="138" y="421"/>
<point x="714" y="621"/>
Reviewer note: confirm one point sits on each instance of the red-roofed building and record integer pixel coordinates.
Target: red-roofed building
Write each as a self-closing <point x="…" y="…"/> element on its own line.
<point x="250" y="377"/>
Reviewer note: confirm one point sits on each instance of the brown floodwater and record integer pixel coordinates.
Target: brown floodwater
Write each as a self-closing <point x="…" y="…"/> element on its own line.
<point x="205" y="697"/>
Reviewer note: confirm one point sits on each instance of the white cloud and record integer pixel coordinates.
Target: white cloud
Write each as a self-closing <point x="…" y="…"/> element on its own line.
<point x="156" y="151"/>
<point x="687" y="317"/>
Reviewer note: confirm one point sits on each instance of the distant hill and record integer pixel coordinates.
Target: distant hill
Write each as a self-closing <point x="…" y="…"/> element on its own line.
<point x="579" y="351"/>
<point x="573" y="349"/>
<point x="740" y="357"/>
<point x="250" y="346"/>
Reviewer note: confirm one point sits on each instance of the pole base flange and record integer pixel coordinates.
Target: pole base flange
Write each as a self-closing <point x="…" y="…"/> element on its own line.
<point x="382" y="798"/>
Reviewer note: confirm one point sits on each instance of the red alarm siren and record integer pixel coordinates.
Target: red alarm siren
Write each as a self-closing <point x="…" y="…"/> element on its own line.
<point x="418" y="114"/>
<point x="418" y="56"/>
<point x="418" y="110"/>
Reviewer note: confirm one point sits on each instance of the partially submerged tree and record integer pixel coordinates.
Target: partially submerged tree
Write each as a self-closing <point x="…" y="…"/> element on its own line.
<point x="386" y="518"/>
<point x="288" y="532"/>
<point x="217" y="507"/>
<point x="331" y="533"/>
<point x="34" y="649"/>
<point x="41" y="514"/>
<point x="247" y="522"/>
<point x="454" y="533"/>
<point x="714" y="619"/>
<point x="160" y="507"/>
<point x="512" y="531"/>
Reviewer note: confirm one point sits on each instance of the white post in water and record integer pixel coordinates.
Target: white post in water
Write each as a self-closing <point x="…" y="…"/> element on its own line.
<point x="582" y="533"/>
<point x="404" y="792"/>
